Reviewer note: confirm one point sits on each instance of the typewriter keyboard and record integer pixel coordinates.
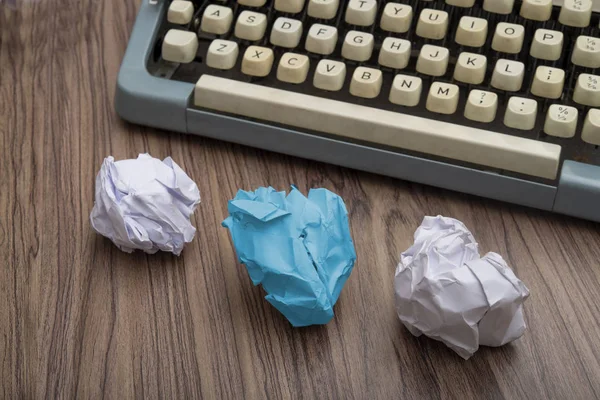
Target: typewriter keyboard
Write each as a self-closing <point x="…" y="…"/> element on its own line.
<point x="517" y="80"/>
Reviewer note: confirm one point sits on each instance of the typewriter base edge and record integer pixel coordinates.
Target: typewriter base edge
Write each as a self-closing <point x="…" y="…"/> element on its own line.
<point x="369" y="159"/>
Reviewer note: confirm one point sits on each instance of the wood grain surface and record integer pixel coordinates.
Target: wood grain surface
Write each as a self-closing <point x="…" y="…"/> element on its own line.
<point x="81" y="319"/>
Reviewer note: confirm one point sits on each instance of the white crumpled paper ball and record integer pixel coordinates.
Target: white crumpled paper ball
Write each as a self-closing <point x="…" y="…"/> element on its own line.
<point x="145" y="204"/>
<point x="444" y="290"/>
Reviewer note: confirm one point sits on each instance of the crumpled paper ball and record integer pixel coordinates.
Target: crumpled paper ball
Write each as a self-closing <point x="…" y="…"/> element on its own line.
<point x="299" y="248"/>
<point x="446" y="291"/>
<point x="145" y="204"/>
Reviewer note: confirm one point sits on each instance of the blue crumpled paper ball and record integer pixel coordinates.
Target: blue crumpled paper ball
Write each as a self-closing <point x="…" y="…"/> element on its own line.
<point x="298" y="248"/>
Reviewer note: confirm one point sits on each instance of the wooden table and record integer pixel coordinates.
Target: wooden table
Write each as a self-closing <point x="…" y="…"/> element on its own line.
<point x="79" y="318"/>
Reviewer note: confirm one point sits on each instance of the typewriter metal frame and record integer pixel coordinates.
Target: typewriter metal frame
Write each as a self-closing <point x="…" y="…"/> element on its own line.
<point x="144" y="99"/>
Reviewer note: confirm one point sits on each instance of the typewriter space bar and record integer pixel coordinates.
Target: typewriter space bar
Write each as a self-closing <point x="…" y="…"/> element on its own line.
<point x="378" y="126"/>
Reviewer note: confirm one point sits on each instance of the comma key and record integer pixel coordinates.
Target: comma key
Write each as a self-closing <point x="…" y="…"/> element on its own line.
<point x="481" y="106"/>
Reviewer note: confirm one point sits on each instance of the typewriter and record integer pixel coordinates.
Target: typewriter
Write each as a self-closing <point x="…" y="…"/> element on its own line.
<point x="496" y="98"/>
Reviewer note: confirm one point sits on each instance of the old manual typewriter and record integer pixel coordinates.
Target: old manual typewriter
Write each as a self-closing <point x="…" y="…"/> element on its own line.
<point x="497" y="98"/>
